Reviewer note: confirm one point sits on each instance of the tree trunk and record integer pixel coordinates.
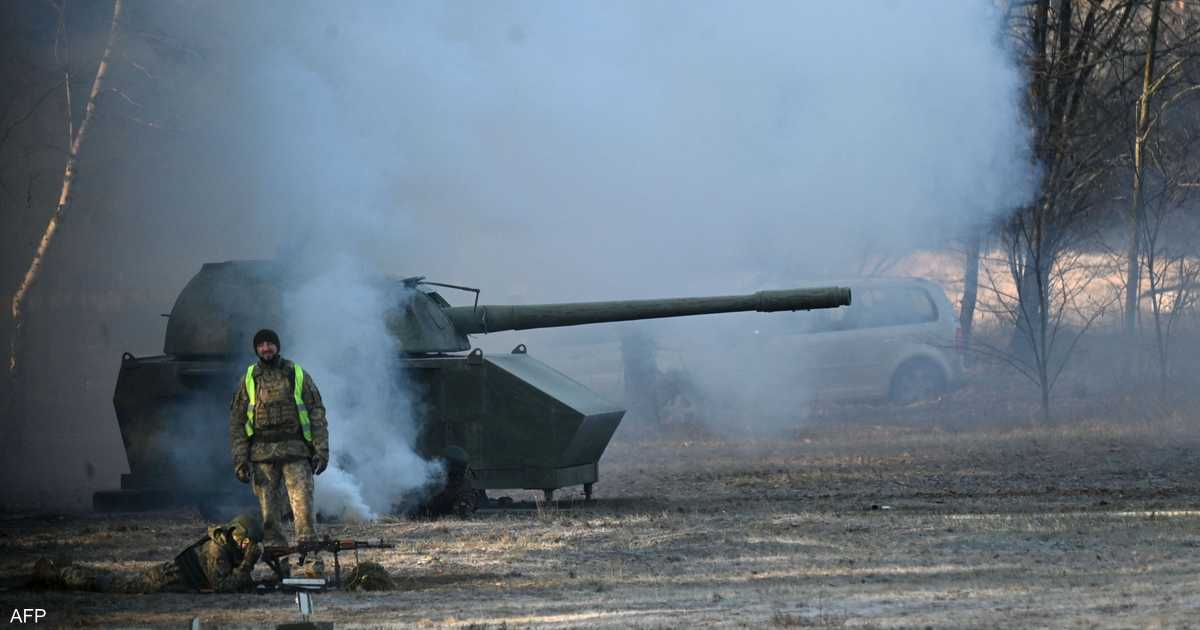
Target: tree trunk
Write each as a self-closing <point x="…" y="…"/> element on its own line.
<point x="64" y="198"/>
<point x="17" y="404"/>
<point x="1046" y="418"/>
<point x="1031" y="275"/>
<point x="1137" y="212"/>
<point x="966" y="312"/>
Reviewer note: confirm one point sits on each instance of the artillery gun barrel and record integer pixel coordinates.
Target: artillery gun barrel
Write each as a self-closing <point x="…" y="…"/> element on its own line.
<point x="470" y="320"/>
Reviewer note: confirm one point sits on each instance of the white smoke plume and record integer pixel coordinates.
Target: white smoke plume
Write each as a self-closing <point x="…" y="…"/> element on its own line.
<point x="335" y="329"/>
<point x="624" y="149"/>
<point x="543" y="152"/>
<point x="613" y="150"/>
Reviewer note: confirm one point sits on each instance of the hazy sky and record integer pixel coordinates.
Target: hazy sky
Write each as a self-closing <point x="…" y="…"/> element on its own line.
<point x="601" y="149"/>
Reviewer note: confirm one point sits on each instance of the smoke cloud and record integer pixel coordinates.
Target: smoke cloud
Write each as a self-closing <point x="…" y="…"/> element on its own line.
<point x="717" y="142"/>
<point x="622" y="150"/>
<point x="540" y="151"/>
<point x="335" y="323"/>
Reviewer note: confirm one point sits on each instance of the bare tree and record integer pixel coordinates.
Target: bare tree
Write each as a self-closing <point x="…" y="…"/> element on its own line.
<point x="1076" y="54"/>
<point x="1070" y="305"/>
<point x="1172" y="273"/>
<point x="1075" y="75"/>
<point x="1170" y="256"/>
<point x="1136" y="214"/>
<point x="1161" y="158"/>
<point x="35" y="265"/>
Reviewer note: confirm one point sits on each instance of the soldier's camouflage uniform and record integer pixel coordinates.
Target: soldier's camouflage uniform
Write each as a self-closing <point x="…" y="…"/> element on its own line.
<point x="279" y="456"/>
<point x="459" y="497"/>
<point x="225" y="568"/>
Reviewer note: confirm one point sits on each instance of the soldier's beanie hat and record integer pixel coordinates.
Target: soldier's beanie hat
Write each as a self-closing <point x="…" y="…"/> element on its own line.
<point x="250" y="524"/>
<point x="267" y="334"/>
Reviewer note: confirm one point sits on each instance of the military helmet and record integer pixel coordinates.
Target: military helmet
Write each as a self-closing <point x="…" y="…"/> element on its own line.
<point x="250" y="525"/>
<point x="456" y="455"/>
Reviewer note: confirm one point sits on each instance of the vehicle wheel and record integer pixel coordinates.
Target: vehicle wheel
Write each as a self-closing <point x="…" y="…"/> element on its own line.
<point x="916" y="381"/>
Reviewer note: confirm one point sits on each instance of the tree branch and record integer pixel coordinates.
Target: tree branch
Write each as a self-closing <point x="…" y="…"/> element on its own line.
<point x="64" y="198"/>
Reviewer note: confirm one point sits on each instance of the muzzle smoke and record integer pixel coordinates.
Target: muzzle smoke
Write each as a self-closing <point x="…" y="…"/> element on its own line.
<point x="336" y="331"/>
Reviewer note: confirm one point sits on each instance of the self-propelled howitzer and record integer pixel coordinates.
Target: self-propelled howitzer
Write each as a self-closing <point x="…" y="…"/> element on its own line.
<point x="523" y="424"/>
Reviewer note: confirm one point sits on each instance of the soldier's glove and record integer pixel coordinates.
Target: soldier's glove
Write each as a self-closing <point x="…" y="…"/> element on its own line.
<point x="242" y="470"/>
<point x="250" y="559"/>
<point x="319" y="462"/>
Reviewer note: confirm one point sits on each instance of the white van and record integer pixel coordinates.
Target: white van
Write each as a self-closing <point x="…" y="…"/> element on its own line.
<point x="898" y="340"/>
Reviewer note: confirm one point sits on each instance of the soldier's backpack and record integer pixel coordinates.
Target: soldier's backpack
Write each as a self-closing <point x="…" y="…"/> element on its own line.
<point x="190" y="568"/>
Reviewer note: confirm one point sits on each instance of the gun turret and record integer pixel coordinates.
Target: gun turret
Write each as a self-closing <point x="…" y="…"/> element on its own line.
<point x="219" y="310"/>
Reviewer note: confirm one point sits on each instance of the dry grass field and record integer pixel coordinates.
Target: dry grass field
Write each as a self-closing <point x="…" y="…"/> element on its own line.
<point x="842" y="524"/>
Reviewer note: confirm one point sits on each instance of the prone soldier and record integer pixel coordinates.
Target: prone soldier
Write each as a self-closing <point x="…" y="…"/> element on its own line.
<point x="222" y="561"/>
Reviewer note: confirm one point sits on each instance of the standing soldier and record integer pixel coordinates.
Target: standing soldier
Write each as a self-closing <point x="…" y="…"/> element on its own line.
<point x="279" y="436"/>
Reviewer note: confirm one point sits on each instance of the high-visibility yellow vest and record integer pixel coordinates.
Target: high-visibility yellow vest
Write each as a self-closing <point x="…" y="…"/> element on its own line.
<point x="303" y="410"/>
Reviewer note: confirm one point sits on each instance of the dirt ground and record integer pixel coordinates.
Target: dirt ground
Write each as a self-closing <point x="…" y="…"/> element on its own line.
<point x="856" y="525"/>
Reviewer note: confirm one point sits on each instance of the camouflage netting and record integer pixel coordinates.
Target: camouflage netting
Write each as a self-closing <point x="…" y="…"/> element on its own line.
<point x="369" y="576"/>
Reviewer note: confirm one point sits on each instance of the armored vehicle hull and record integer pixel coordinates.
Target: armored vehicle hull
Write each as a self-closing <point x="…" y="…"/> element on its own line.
<point x="523" y="424"/>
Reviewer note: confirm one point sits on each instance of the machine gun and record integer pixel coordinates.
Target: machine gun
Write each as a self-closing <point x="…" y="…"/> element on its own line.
<point x="276" y="555"/>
